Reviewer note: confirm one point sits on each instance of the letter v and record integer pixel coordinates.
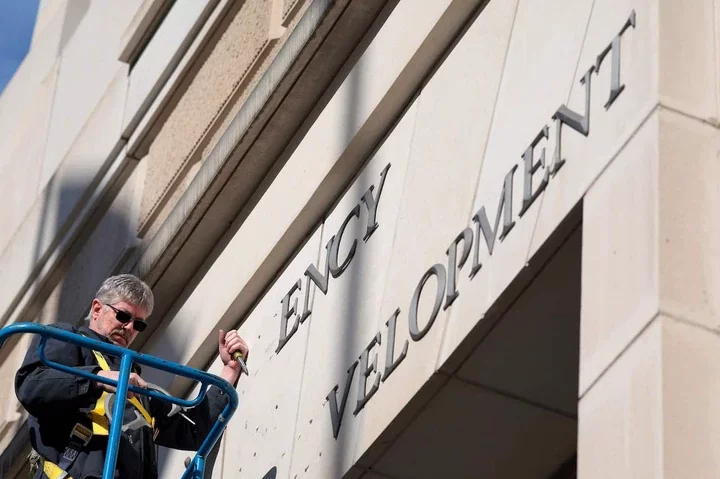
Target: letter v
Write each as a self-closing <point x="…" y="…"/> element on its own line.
<point x="336" y="414"/>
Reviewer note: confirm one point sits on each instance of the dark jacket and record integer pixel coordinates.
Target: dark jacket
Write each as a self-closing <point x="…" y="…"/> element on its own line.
<point x="56" y="401"/>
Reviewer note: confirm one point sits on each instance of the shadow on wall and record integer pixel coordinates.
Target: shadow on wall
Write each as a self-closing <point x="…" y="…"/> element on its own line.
<point x="92" y="258"/>
<point x="101" y="253"/>
<point x="76" y="10"/>
<point x="53" y="304"/>
<point x="344" y="447"/>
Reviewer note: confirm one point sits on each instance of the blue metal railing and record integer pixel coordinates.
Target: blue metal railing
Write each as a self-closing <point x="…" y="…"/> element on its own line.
<point x="129" y="357"/>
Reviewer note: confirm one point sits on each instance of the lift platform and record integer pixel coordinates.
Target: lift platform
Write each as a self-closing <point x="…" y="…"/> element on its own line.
<point x="128" y="358"/>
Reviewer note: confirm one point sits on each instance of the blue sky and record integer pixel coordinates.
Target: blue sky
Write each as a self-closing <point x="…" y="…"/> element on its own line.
<point x="17" y="18"/>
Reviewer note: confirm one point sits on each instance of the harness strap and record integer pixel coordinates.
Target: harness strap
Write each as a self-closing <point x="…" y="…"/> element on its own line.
<point x="99" y="409"/>
<point x="81" y="435"/>
<point x="53" y="471"/>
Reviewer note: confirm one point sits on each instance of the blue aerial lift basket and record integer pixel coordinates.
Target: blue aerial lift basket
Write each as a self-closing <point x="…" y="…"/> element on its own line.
<point x="129" y="357"/>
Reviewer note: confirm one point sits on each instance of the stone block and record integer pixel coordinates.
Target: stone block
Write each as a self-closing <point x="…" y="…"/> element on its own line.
<point x="37" y="71"/>
<point x="688" y="59"/>
<point x="455" y="111"/>
<point x="646" y="415"/>
<point x="231" y="58"/>
<point x="196" y="319"/>
<point x="523" y="109"/>
<point x="620" y="432"/>
<point x="25" y="109"/>
<point x="535" y="81"/>
<point x="47" y="11"/>
<point x="59" y="202"/>
<point x="346" y="319"/>
<point x="39" y="231"/>
<point x="22" y="154"/>
<point x="158" y="58"/>
<point x="86" y="71"/>
<point x="135" y="35"/>
<point x="96" y="144"/>
<point x="309" y="168"/>
<point x="716" y="10"/>
<point x="690" y="388"/>
<point x="688" y="195"/>
<point x="620" y="253"/>
<point x="661" y="239"/>
<point x="610" y="127"/>
<point x="111" y="240"/>
<point x="450" y="134"/>
<point x="262" y="433"/>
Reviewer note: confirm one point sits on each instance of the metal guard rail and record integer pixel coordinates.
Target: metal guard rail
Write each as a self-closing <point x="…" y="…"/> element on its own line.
<point x="129" y="357"/>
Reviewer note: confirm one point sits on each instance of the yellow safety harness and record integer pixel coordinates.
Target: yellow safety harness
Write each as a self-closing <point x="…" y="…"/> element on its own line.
<point x="53" y="471"/>
<point x="98" y="416"/>
<point x="100" y="427"/>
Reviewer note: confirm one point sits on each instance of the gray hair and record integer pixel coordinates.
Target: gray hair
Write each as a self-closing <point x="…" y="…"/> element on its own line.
<point x="128" y="288"/>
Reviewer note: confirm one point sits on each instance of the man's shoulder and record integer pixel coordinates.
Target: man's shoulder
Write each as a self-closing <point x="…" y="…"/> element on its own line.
<point x="53" y="347"/>
<point x="71" y="328"/>
<point x="64" y="326"/>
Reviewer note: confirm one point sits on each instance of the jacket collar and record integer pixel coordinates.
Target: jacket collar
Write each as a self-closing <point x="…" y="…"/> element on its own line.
<point x="84" y="329"/>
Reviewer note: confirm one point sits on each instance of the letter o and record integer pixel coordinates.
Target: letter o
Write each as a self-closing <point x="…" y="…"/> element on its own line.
<point x="437" y="270"/>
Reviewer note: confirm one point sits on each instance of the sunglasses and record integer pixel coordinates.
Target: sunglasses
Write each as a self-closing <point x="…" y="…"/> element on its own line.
<point x="138" y="324"/>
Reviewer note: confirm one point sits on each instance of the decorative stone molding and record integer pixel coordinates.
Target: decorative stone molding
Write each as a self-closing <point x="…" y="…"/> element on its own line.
<point x="141" y="28"/>
<point x="254" y="29"/>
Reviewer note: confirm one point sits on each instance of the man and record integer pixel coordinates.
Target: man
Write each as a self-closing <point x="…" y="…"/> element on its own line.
<point x="68" y="425"/>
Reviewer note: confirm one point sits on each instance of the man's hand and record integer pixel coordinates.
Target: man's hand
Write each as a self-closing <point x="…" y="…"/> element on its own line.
<point x="229" y="343"/>
<point x="134" y="380"/>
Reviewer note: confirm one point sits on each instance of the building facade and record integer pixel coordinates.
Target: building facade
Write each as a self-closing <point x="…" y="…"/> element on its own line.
<point x="464" y="238"/>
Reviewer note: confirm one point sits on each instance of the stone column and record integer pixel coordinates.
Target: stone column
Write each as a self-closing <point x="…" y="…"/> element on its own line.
<point x="650" y="339"/>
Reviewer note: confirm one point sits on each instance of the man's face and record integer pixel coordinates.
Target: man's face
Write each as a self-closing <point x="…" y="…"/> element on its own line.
<point x="104" y="321"/>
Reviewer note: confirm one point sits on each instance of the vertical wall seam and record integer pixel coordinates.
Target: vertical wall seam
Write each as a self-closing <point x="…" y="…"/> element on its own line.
<point x="379" y="319"/>
<point x="469" y="210"/>
<point x="494" y="109"/>
<point x="715" y="61"/>
<point x="567" y="102"/>
<point x="311" y="305"/>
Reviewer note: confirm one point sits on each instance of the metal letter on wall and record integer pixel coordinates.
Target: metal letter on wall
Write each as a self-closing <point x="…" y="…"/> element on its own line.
<point x="579" y="123"/>
<point x="336" y="413"/>
<point x="366" y="369"/>
<point x="307" y="309"/>
<point x="321" y="280"/>
<point x="287" y="312"/>
<point x="531" y="167"/>
<point x="466" y="237"/>
<point x="566" y="116"/>
<point x="438" y="271"/>
<point x="446" y="286"/>
<point x="334" y="251"/>
<point x="390" y="363"/>
<point x="271" y="474"/>
<point x="372" y="204"/>
<point x="483" y="225"/>
<point x="616" y="86"/>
